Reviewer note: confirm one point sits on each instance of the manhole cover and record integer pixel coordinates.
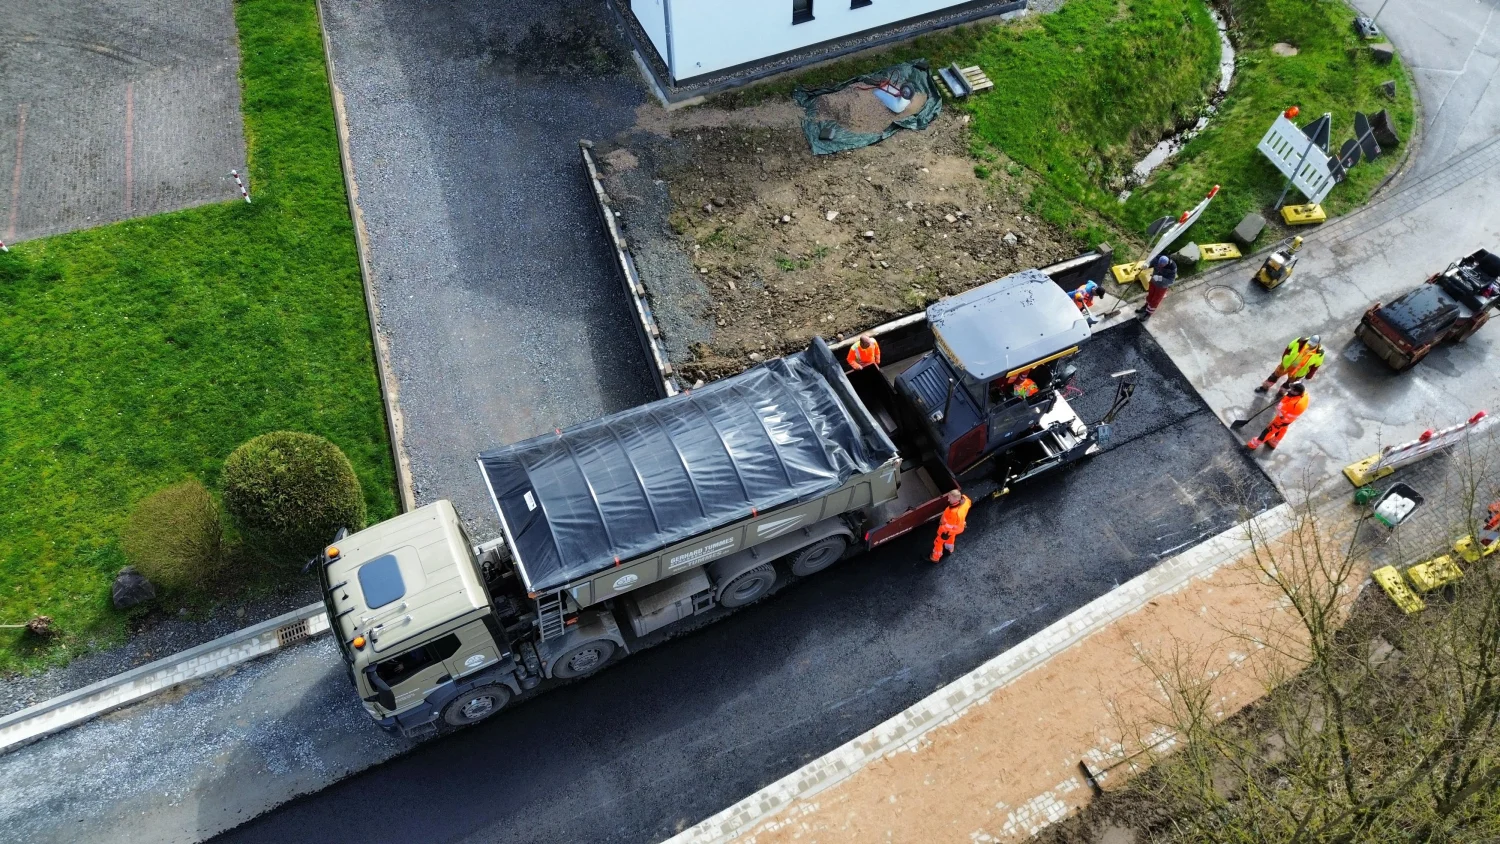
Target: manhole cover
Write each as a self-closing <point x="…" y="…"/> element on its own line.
<point x="1225" y="300"/>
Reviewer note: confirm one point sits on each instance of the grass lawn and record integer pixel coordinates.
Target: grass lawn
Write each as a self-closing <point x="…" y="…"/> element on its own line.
<point x="136" y="354"/>
<point x="1332" y="72"/>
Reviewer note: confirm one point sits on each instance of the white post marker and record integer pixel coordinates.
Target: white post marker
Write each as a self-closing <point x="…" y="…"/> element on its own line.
<point x="237" y="180"/>
<point x="1393" y="457"/>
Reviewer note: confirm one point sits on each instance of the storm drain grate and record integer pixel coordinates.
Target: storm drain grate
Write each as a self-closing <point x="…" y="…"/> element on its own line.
<point x="291" y="633"/>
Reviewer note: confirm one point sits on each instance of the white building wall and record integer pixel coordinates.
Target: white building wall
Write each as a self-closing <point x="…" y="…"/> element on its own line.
<point x="710" y="35"/>
<point x="652" y="16"/>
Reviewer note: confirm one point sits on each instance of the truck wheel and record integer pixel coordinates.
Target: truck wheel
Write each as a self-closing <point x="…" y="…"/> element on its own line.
<point x="476" y="704"/>
<point x="748" y="587"/>
<point x="819" y="555"/>
<point x="583" y="659"/>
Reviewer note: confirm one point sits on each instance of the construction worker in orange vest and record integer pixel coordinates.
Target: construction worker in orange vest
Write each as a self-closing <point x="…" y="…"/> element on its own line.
<point x="865" y="352"/>
<point x="951" y="524"/>
<point x="1490" y="530"/>
<point x="1292" y="406"/>
<point x="1300" y="361"/>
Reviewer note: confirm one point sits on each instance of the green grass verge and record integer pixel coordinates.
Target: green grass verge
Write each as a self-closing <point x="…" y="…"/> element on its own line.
<point x="136" y="354"/>
<point x="1332" y="72"/>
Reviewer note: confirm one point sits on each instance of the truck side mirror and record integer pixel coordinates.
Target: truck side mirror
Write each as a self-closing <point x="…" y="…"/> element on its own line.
<point x="383" y="694"/>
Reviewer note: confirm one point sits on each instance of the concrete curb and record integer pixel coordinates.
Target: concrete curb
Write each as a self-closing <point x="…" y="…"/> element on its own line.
<point x="383" y="372"/>
<point x="59" y="713"/>
<point x="905" y="730"/>
<point x="665" y="379"/>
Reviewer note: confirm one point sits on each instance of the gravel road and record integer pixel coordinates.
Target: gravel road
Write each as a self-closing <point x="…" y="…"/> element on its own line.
<point x="503" y="314"/>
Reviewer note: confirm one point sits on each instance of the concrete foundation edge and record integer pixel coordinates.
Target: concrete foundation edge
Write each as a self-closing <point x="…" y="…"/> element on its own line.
<point x="76" y="707"/>
<point x="905" y="731"/>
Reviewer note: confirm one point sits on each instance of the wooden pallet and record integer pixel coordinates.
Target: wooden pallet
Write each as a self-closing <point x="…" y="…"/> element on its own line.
<point x="959" y="82"/>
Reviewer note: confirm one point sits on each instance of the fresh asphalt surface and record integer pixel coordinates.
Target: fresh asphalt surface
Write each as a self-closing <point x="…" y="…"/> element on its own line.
<point x="674" y="733"/>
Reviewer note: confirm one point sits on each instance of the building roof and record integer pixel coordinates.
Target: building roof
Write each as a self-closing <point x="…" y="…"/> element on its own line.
<point x="1006" y="324"/>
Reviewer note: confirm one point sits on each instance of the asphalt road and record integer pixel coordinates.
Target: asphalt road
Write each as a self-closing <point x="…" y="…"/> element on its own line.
<point x="502" y="312"/>
<point x="674" y="733"/>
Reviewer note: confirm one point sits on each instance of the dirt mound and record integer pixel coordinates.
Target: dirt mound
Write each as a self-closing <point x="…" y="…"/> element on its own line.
<point x="857" y="109"/>
<point x="749" y="245"/>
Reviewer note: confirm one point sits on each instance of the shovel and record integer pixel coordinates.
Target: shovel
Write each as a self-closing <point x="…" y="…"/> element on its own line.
<point x="1240" y="423"/>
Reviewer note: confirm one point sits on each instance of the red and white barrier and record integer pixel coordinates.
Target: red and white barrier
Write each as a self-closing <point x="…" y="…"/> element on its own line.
<point x="1393" y="457"/>
<point x="237" y="180"/>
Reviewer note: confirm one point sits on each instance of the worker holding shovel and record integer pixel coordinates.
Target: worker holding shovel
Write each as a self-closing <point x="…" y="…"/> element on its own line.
<point x="951" y="524"/>
<point x="1291" y="406"/>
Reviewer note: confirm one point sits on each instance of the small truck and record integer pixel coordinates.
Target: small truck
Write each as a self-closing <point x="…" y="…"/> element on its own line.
<point x="1451" y="305"/>
<point x="619" y="532"/>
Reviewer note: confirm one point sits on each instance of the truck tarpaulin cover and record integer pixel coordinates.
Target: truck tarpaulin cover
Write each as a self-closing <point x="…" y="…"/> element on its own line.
<point x="603" y="492"/>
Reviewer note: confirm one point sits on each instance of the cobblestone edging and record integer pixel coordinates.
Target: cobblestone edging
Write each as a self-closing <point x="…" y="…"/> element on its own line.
<point x="905" y="730"/>
<point x="76" y="707"/>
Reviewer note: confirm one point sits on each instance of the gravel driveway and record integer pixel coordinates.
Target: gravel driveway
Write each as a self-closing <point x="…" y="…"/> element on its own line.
<point x="503" y="316"/>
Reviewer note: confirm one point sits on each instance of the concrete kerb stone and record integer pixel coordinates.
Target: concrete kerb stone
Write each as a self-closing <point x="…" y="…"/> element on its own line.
<point x="905" y="730"/>
<point x="387" y="378"/>
<point x="665" y="380"/>
<point x="137" y="684"/>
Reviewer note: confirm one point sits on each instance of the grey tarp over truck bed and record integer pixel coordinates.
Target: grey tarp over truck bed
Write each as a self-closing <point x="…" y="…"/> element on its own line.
<point x="593" y="496"/>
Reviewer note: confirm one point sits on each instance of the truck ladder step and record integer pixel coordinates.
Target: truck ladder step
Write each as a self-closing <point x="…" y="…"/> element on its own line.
<point x="549" y="615"/>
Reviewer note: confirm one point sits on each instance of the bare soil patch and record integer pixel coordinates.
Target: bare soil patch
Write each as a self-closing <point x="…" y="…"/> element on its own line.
<point x="749" y="245"/>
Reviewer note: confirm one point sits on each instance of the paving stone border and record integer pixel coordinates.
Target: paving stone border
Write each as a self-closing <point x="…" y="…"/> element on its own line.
<point x="905" y="730"/>
<point x="76" y="707"/>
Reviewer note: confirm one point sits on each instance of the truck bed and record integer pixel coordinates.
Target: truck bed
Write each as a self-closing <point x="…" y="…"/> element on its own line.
<point x="602" y="494"/>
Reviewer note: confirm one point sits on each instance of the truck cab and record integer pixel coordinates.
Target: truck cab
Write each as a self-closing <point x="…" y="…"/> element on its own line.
<point x="414" y="621"/>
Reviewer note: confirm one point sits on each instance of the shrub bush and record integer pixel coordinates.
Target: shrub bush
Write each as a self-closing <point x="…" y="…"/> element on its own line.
<point x="174" y="537"/>
<point x="289" y="492"/>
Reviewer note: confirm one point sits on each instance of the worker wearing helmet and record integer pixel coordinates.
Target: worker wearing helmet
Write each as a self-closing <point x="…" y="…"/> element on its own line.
<point x="1292" y="406"/>
<point x="1084" y="297"/>
<point x="865" y="352"/>
<point x="951" y="524"/>
<point x="1163" y="276"/>
<point x="1299" y="362"/>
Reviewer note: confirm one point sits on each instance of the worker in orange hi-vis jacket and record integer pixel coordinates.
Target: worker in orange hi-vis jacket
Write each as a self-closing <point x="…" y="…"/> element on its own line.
<point x="951" y="524"/>
<point x="865" y="352"/>
<point x="1291" y="407"/>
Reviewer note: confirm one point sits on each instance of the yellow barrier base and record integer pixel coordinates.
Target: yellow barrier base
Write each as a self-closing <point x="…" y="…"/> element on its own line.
<point x="1130" y="273"/>
<point x="1435" y="573"/>
<point x="1217" y="251"/>
<point x="1465" y="548"/>
<point x="1302" y="215"/>
<point x="1359" y="472"/>
<point x="1390" y="581"/>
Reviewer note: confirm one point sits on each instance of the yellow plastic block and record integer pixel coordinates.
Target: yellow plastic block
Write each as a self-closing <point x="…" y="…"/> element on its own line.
<point x="1132" y="272"/>
<point x="1438" y="571"/>
<point x="1390" y="580"/>
<point x="1359" y="472"/>
<point x="1217" y="251"/>
<point x="1302" y="215"/>
<point x="1465" y="548"/>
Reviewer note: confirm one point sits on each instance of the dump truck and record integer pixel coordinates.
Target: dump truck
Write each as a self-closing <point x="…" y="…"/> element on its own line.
<point x="622" y="531"/>
<point x="1451" y="305"/>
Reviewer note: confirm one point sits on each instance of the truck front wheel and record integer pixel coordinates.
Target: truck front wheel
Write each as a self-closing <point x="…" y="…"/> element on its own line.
<point x="819" y="555"/>
<point x="583" y="659"/>
<point x="476" y="704"/>
<point x="748" y="587"/>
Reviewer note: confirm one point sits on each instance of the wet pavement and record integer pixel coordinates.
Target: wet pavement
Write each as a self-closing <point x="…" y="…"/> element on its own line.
<point x="676" y="732"/>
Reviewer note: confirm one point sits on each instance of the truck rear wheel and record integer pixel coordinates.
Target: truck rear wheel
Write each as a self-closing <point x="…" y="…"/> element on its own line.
<point x="476" y="704"/>
<point x="748" y="587"/>
<point x="818" y="556"/>
<point x="583" y="659"/>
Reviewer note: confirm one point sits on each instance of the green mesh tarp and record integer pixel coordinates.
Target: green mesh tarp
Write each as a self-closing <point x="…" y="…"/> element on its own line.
<point x="827" y="136"/>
